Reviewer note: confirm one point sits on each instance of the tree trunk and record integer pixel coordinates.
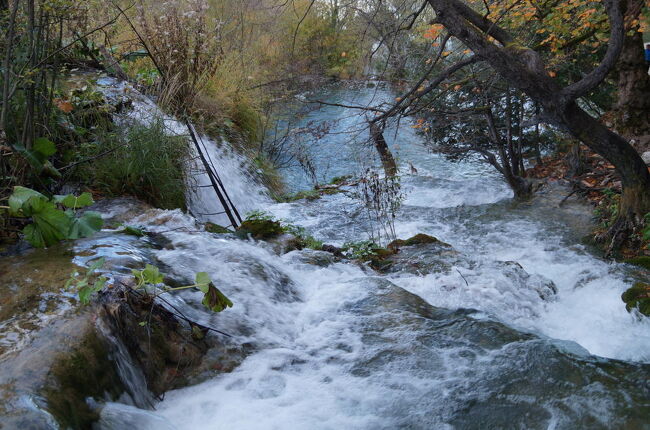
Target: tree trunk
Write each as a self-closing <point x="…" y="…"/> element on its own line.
<point x="635" y="201"/>
<point x="387" y="159"/>
<point x="576" y="161"/>
<point x="632" y="109"/>
<point x="522" y="187"/>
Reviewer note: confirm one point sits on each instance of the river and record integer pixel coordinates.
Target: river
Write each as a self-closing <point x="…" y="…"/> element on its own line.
<point x="523" y="327"/>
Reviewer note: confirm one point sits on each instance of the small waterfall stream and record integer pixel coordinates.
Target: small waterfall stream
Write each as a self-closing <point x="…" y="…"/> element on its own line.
<point x="519" y="325"/>
<point x="523" y="327"/>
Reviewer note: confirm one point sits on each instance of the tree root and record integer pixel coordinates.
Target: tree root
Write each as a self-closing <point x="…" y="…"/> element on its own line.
<point x="620" y="231"/>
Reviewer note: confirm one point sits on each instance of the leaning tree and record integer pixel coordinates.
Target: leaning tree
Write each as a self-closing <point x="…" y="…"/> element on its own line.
<point x="484" y="33"/>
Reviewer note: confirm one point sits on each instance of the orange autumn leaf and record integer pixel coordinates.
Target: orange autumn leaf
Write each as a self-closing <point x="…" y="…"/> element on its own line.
<point x="433" y="31"/>
<point x="64" y="105"/>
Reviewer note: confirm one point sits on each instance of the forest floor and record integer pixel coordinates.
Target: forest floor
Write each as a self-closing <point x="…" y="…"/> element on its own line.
<point x="598" y="182"/>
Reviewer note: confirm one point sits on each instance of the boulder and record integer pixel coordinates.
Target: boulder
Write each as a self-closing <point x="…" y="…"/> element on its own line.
<point x="418" y="239"/>
<point x="260" y="229"/>
<point x="638" y="297"/>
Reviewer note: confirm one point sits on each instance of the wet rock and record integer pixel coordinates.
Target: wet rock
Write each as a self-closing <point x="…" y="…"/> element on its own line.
<point x="418" y="239"/>
<point x="120" y="210"/>
<point x="55" y="355"/>
<point x="334" y="250"/>
<point x="643" y="261"/>
<point x="315" y="258"/>
<point x="119" y="416"/>
<point x="260" y="229"/>
<point x="85" y="371"/>
<point x="162" y="346"/>
<point x="419" y="255"/>
<point x="638" y="297"/>
<point x="287" y="243"/>
<point x="216" y="228"/>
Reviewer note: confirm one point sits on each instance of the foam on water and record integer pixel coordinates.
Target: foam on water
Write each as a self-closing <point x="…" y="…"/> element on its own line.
<point x="334" y="345"/>
<point x="235" y="171"/>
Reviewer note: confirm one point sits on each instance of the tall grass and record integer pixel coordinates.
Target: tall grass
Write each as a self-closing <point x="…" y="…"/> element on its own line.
<point x="144" y="161"/>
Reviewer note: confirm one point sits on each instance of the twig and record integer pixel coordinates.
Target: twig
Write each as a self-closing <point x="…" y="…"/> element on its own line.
<point x="461" y="275"/>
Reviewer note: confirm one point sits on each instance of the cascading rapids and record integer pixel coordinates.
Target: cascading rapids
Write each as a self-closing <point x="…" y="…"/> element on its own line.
<point x="514" y="330"/>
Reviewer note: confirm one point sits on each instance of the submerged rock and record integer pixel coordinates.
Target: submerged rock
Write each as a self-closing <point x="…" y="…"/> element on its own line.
<point x="638" y="297"/>
<point x="260" y="229"/>
<point x="216" y="228"/>
<point x="642" y="261"/>
<point x="420" y="254"/>
<point x="126" y="349"/>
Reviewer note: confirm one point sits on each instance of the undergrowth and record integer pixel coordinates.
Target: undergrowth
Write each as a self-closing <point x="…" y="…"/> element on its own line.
<point x="142" y="161"/>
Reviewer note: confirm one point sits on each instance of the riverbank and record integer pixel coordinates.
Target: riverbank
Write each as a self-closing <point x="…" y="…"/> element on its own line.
<point x="589" y="175"/>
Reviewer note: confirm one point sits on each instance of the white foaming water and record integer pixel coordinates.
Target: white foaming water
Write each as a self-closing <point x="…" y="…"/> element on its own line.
<point x="234" y="170"/>
<point x="334" y="345"/>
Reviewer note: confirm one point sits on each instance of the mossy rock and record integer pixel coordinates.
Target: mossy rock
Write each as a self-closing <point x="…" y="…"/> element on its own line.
<point x="643" y="261"/>
<point x="379" y="258"/>
<point x="638" y="297"/>
<point x="338" y="180"/>
<point x="216" y="228"/>
<point x="85" y="372"/>
<point x="309" y="195"/>
<point x="260" y="229"/>
<point x="418" y="239"/>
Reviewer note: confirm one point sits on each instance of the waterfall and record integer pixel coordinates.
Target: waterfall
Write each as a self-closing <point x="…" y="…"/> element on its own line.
<point x="236" y="172"/>
<point x="516" y="326"/>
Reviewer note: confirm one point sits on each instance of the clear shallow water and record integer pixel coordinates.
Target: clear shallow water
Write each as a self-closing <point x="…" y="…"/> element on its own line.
<point x="472" y="344"/>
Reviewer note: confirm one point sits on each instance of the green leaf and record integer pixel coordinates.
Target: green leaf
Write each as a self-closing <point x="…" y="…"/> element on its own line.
<point x="132" y="231"/>
<point x="84" y="294"/>
<point x="19" y="197"/>
<point x="34" y="158"/>
<point x="99" y="283"/>
<point x="50" y="171"/>
<point x="86" y="291"/>
<point x="34" y="236"/>
<point x="73" y="202"/>
<point x="203" y="281"/>
<point x="150" y="275"/>
<point x="215" y="300"/>
<point x="96" y="265"/>
<point x="44" y="146"/>
<point x="50" y="225"/>
<point x="86" y="225"/>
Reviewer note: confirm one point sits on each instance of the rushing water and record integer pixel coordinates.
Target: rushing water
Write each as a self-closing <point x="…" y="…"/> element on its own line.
<point x="522" y="328"/>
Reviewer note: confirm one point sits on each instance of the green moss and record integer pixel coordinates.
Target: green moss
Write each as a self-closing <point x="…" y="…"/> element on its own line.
<point x="307" y="195"/>
<point x="260" y="229"/>
<point x="216" y="228"/>
<point x="418" y="239"/>
<point x="640" y="261"/>
<point x="638" y="297"/>
<point x="337" y="180"/>
<point x="85" y="372"/>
